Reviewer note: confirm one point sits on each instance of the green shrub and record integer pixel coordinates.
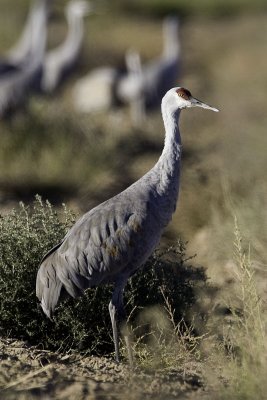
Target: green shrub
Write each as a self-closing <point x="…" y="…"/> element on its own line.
<point x="27" y="234"/>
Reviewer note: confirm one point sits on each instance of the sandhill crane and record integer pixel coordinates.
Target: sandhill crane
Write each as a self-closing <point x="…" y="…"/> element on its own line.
<point x="60" y="61"/>
<point x="19" y="53"/>
<point x="110" y="242"/>
<point x="17" y="78"/>
<point x="145" y="85"/>
<point x="128" y="88"/>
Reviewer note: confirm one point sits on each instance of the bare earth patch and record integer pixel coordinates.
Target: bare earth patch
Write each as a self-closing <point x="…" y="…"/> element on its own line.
<point x="29" y="373"/>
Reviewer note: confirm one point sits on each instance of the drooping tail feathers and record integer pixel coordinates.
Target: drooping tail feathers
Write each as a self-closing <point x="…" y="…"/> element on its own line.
<point x="48" y="284"/>
<point x="56" y="278"/>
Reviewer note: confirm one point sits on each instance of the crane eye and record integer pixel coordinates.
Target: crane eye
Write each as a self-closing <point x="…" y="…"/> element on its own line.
<point x="184" y="93"/>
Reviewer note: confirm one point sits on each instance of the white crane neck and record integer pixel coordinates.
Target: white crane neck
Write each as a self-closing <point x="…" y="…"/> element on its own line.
<point x="170" y="115"/>
<point x="167" y="170"/>
<point x="168" y="165"/>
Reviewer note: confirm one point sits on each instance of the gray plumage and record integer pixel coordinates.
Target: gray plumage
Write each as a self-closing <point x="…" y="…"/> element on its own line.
<point x="25" y="61"/>
<point x="110" y="242"/>
<point x="60" y="61"/>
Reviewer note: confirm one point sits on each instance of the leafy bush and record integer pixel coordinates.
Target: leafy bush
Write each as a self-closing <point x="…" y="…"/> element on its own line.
<point x="27" y="234"/>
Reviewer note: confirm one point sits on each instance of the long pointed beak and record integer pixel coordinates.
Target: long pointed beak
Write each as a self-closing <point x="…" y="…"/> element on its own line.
<point x="198" y="103"/>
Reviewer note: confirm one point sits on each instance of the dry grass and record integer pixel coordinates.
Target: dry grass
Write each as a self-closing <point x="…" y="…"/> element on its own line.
<point x="242" y="354"/>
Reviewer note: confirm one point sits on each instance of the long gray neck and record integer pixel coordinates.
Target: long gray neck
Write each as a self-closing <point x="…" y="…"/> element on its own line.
<point x="172" y="142"/>
<point x="169" y="161"/>
<point x="168" y="165"/>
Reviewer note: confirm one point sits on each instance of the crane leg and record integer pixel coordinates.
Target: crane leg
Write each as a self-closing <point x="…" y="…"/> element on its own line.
<point x="118" y="317"/>
<point x="113" y="317"/>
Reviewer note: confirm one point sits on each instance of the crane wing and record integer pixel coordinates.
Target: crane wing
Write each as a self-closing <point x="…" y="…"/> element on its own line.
<point x="98" y="247"/>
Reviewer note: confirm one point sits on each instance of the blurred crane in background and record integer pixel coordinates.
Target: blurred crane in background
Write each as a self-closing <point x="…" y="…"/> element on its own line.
<point x="145" y="85"/>
<point x="140" y="86"/>
<point x="20" y="71"/>
<point x="19" y="53"/>
<point x="110" y="242"/>
<point x="128" y="89"/>
<point x="60" y="61"/>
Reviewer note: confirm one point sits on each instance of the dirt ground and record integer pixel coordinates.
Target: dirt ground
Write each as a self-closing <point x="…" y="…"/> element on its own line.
<point x="30" y="373"/>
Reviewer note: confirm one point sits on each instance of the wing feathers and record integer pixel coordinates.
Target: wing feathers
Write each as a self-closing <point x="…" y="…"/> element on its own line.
<point x="96" y="249"/>
<point x="48" y="288"/>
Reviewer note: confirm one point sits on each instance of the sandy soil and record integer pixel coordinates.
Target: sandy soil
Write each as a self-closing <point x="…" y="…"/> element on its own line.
<point x="30" y="373"/>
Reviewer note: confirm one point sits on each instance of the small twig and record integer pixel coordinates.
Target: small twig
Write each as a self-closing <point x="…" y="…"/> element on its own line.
<point x="28" y="376"/>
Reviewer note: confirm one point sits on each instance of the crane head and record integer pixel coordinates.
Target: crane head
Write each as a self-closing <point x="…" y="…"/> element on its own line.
<point x="179" y="98"/>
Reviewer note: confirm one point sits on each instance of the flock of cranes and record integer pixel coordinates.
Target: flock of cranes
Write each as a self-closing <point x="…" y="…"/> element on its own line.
<point x="22" y="67"/>
<point x="109" y="243"/>
<point x="30" y="67"/>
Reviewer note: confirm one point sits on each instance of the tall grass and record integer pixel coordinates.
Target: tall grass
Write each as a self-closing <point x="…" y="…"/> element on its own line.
<point x="241" y="353"/>
<point x="247" y="339"/>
